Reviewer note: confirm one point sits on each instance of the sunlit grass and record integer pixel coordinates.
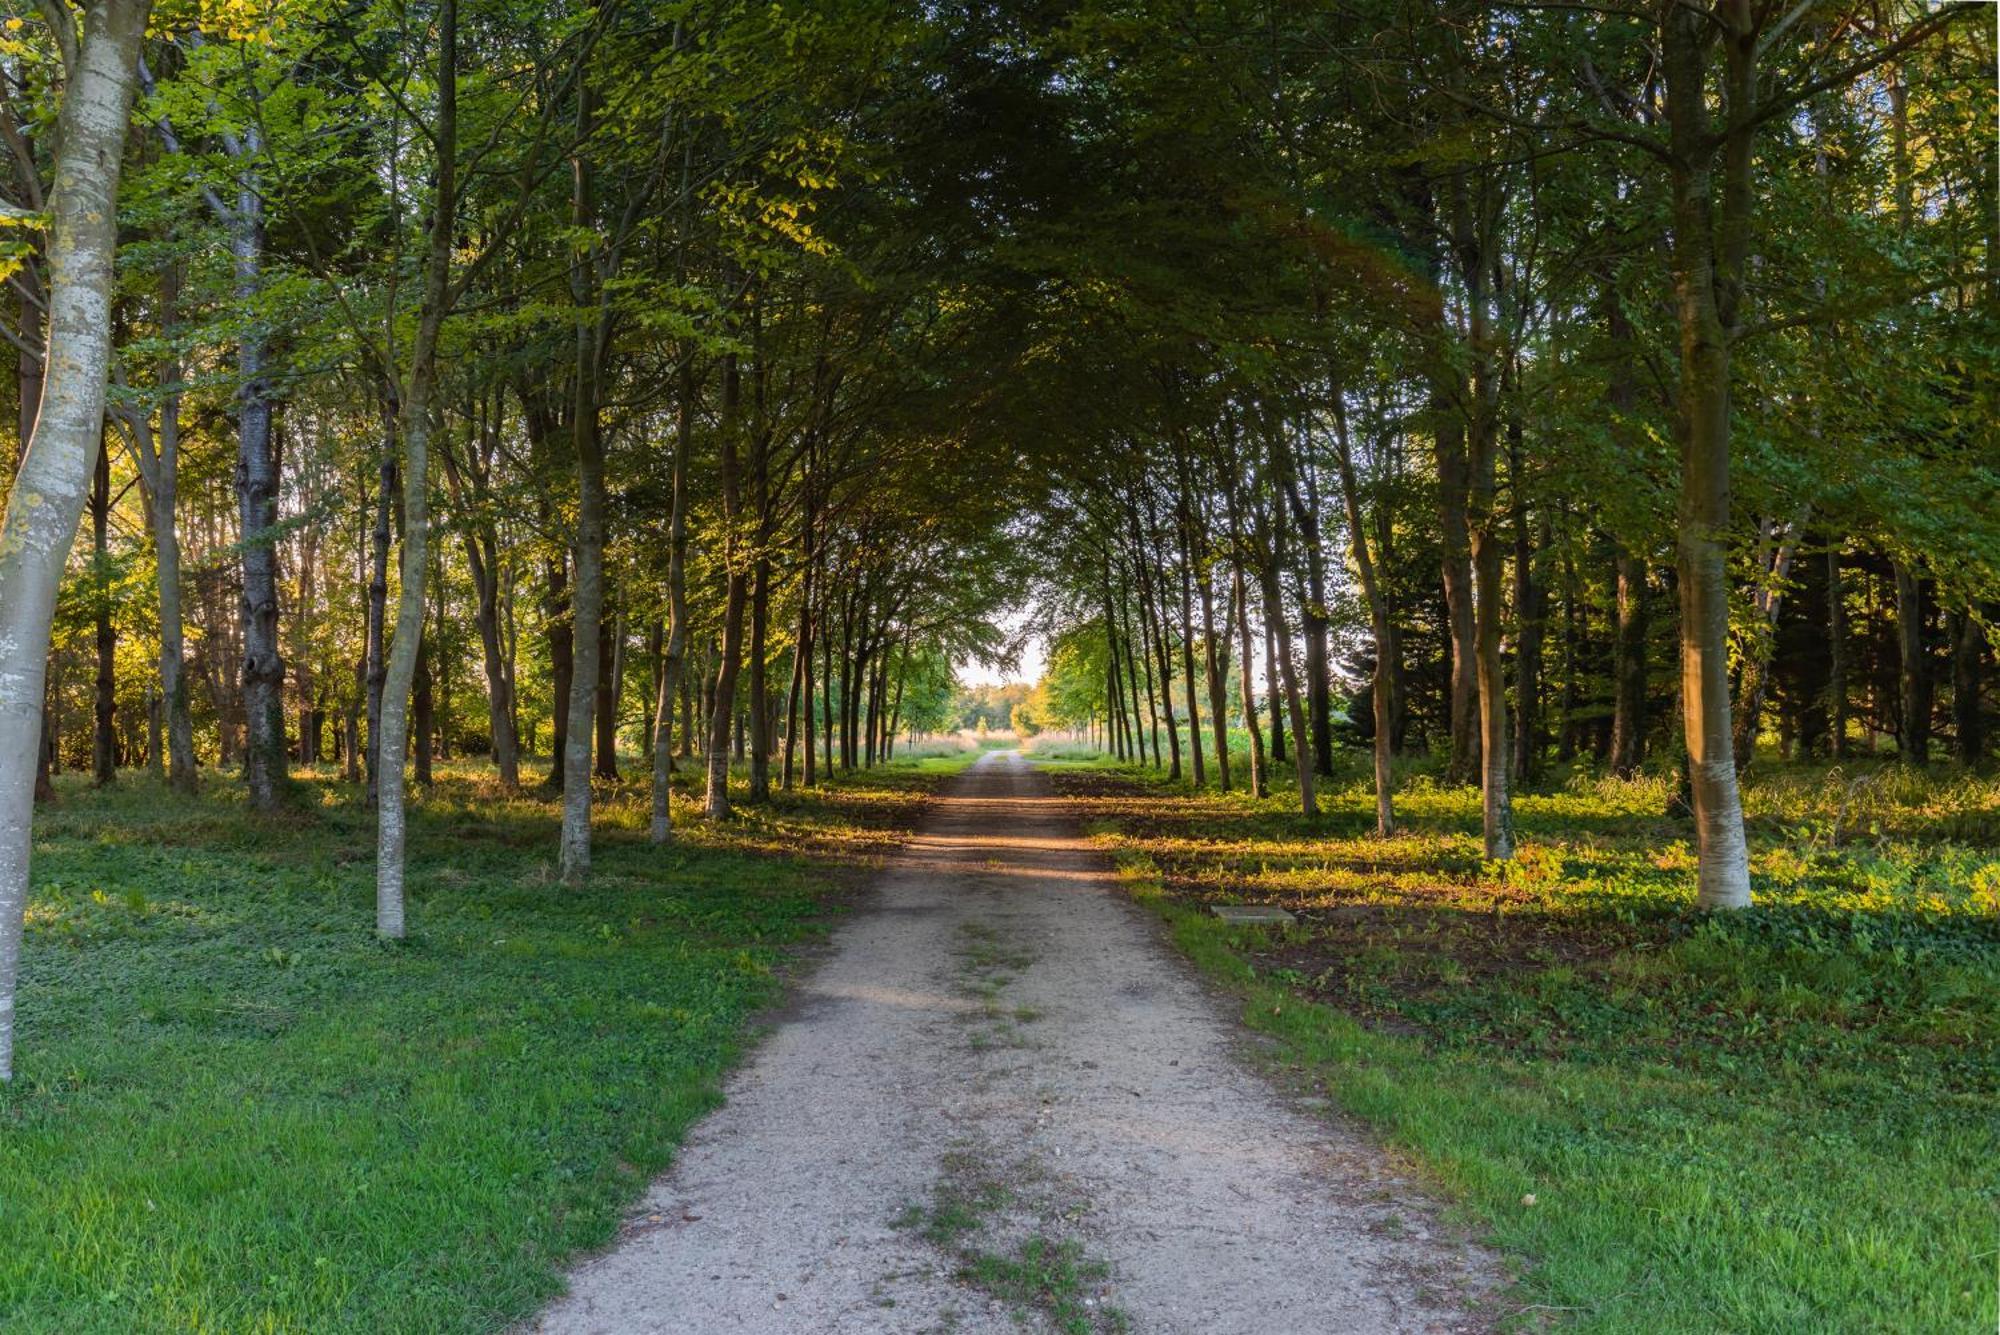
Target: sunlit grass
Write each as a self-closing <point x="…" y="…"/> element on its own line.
<point x="235" y="1110"/>
<point x="1778" y="1120"/>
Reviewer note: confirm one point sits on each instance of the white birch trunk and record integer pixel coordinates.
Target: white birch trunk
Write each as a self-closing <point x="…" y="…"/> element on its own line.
<point x="389" y="830"/>
<point x="48" y="495"/>
<point x="402" y="669"/>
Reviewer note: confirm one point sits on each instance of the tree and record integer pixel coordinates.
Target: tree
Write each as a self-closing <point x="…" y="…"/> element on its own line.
<point x="46" y="500"/>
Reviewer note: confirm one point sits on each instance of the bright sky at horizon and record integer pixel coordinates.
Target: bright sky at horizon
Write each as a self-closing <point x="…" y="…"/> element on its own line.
<point x="1034" y="658"/>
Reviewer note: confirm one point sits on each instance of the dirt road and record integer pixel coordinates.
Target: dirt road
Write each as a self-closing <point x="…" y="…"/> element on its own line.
<point x="1003" y="1103"/>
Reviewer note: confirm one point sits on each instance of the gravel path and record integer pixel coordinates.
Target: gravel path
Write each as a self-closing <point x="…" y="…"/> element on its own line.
<point x="998" y="1049"/>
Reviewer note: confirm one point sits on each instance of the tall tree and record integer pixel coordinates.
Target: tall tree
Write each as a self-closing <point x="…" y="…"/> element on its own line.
<point x="101" y="71"/>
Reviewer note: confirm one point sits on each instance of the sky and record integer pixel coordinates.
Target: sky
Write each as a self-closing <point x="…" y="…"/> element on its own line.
<point x="1034" y="658"/>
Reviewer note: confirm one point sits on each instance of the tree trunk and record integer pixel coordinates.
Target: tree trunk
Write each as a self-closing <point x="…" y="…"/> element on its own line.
<point x="164" y="491"/>
<point x="1382" y="684"/>
<point x="559" y="630"/>
<point x="302" y="625"/>
<point x="1723" y="856"/>
<point x="1571" y="698"/>
<point x="855" y="698"/>
<point x="483" y="555"/>
<point x="1314" y="623"/>
<point x="1484" y="276"/>
<point x="896" y="704"/>
<point x="1628" y="672"/>
<point x="826" y="693"/>
<point x="872" y="727"/>
<point x="422" y="712"/>
<point x="49" y="760"/>
<point x="1705" y="302"/>
<point x="1530" y="609"/>
<point x="1488" y="563"/>
<point x="1454" y="486"/>
<point x="482" y="560"/>
<point x="104" y="735"/>
<point x="1272" y="694"/>
<point x="800" y="683"/>
<point x="587" y="597"/>
<point x="1121" y="714"/>
<point x="1913" y="729"/>
<point x="809" y="772"/>
<point x="661" y="829"/>
<point x="1274" y="616"/>
<point x="1385" y="559"/>
<point x="802" y="675"/>
<point x="1313" y="610"/>
<point x="1139" y="716"/>
<point x="760" y="714"/>
<point x="1774" y="560"/>
<point x="422" y="381"/>
<point x="846" y="685"/>
<point x="1215" y="655"/>
<point x="510" y="652"/>
<point x="1968" y="646"/>
<point x="1497" y="805"/>
<point x="1150" y="619"/>
<point x="1114" y="677"/>
<point x="263" y="673"/>
<point x="1189" y="673"/>
<point x="47" y="497"/>
<point x="610" y="676"/>
<point x="723" y="715"/>
<point x="1836" y="656"/>
<point x="378" y="598"/>
<point x="350" y="744"/>
<point x="1247" y="684"/>
<point x="156" y="763"/>
<point x="400" y="673"/>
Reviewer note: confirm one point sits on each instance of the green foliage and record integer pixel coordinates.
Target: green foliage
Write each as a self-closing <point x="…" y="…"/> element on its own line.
<point x="928" y="687"/>
<point x="1071" y="692"/>
<point x="989" y="708"/>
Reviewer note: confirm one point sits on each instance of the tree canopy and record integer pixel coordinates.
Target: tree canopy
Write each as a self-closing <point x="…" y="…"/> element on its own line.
<point x="600" y="386"/>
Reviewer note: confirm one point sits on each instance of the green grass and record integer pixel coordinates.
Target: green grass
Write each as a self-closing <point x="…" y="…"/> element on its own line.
<point x="1061" y="752"/>
<point x="235" y="1110"/>
<point x="1034" y="1268"/>
<point x="945" y="755"/>
<point x="1052" y="1276"/>
<point x="1781" y="1120"/>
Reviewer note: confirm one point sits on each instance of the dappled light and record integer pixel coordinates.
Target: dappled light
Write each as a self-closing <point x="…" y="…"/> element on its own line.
<point x="1106" y="666"/>
<point x="1865" y="979"/>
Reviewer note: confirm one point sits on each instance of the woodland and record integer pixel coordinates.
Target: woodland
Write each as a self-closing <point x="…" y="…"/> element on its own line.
<point x="471" y="461"/>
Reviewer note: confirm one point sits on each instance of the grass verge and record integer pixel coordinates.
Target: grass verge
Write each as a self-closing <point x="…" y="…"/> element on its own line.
<point x="235" y="1110"/>
<point x="1785" y="1120"/>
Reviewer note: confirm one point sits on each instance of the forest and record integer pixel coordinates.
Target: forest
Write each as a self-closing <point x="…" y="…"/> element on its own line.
<point x="482" y="470"/>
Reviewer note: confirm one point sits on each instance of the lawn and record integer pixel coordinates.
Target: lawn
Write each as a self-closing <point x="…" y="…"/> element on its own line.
<point x="1780" y="1120"/>
<point x="236" y="1110"/>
